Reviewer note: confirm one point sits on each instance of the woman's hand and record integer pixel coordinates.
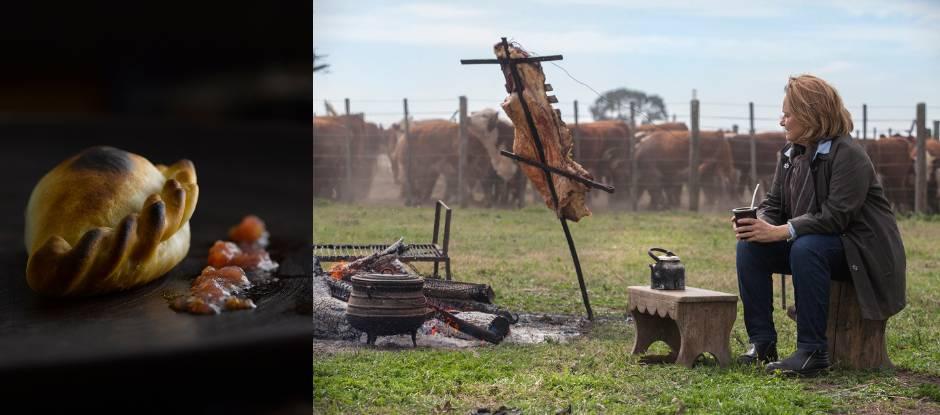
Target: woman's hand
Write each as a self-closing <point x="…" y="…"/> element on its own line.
<point x="756" y="230"/>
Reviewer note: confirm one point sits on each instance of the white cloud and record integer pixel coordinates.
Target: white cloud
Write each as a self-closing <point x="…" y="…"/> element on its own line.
<point x="904" y="39"/>
<point x="439" y="11"/>
<point x="380" y="28"/>
<point x="450" y="25"/>
<point x="837" y="66"/>
<point x="923" y="10"/>
<point x="727" y="8"/>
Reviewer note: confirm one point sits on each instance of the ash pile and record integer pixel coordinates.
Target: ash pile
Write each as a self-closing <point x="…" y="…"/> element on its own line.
<point x="384" y="300"/>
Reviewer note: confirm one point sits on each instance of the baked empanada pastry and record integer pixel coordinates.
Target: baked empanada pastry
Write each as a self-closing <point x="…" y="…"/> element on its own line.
<point x="106" y="220"/>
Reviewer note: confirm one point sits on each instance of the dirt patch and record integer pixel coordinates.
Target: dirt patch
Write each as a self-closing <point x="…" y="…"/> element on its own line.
<point x="919" y="404"/>
<point x="913" y="379"/>
<point x="902" y="406"/>
<point x="903" y="377"/>
<point x="530" y="329"/>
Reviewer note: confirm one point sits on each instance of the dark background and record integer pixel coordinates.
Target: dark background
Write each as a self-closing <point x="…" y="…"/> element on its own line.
<point x="226" y="85"/>
<point x="186" y="60"/>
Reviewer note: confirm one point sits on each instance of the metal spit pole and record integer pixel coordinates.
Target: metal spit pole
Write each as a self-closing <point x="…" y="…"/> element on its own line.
<point x="542" y="164"/>
<point x="517" y="80"/>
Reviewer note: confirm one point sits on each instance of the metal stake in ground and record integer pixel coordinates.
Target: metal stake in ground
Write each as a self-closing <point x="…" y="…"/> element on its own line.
<point x="519" y="86"/>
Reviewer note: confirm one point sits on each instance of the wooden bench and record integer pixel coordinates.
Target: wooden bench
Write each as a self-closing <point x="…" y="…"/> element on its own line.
<point x="691" y="321"/>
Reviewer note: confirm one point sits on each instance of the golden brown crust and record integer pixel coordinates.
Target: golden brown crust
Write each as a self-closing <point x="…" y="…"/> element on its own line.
<point x="106" y="220"/>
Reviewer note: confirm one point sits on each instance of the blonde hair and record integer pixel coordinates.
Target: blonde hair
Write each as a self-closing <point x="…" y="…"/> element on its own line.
<point x="818" y="108"/>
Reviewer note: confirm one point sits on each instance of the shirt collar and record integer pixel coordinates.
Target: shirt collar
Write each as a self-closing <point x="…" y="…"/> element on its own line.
<point x="823" y="147"/>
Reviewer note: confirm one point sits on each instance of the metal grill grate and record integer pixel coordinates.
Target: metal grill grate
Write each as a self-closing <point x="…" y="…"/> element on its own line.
<point x="431" y="252"/>
<point x="350" y="252"/>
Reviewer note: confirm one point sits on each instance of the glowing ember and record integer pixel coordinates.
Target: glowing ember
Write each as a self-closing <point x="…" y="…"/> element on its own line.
<point x="251" y="230"/>
<point x="338" y="271"/>
<point x="224" y="253"/>
<point x="215" y="290"/>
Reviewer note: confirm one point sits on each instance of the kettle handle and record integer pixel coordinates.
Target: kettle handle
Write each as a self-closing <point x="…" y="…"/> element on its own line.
<point x="655" y="258"/>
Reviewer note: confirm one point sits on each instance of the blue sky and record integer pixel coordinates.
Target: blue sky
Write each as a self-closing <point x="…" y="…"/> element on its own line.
<point x="882" y="53"/>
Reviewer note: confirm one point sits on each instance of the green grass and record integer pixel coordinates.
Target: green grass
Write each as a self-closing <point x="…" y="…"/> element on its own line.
<point x="523" y="255"/>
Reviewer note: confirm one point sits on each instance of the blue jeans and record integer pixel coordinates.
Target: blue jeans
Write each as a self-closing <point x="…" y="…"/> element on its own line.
<point x="812" y="260"/>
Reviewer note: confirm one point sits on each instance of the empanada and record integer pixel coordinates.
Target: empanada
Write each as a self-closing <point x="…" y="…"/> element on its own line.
<point x="106" y="220"/>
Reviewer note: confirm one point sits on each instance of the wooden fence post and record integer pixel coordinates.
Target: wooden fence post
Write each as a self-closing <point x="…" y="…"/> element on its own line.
<point x="409" y="177"/>
<point x="864" y="121"/>
<point x="920" y="163"/>
<point x="347" y="193"/>
<point x="462" y="153"/>
<point x="631" y="146"/>
<point x="753" y="145"/>
<point x="693" y="156"/>
<point x="936" y="129"/>
<point x="576" y="136"/>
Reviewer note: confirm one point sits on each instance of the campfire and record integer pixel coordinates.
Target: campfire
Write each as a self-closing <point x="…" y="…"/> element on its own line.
<point x="380" y="295"/>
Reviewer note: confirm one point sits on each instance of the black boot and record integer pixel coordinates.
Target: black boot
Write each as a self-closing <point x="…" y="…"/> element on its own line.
<point x="759" y="352"/>
<point x="803" y="363"/>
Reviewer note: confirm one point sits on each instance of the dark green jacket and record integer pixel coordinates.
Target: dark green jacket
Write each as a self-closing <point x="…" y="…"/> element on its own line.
<point x="850" y="202"/>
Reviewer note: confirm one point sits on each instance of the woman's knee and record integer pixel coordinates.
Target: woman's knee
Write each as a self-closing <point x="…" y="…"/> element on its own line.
<point x="749" y="254"/>
<point x="802" y="246"/>
<point x="813" y="245"/>
<point x="745" y="250"/>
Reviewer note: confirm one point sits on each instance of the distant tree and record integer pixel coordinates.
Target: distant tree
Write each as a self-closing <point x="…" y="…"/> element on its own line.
<point x="321" y="66"/>
<point x="615" y="105"/>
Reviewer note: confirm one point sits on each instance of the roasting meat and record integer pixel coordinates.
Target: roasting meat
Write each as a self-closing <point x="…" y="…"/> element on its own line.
<point x="554" y="134"/>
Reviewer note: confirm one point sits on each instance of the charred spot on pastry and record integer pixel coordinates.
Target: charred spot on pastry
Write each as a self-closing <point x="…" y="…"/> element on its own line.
<point x="124" y="231"/>
<point x="157" y="214"/>
<point x="84" y="251"/>
<point x="104" y="159"/>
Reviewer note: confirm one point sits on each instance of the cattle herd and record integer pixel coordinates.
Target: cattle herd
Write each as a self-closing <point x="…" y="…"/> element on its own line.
<point x="348" y="150"/>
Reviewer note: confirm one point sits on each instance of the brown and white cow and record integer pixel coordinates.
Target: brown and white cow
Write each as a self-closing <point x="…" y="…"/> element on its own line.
<point x="509" y="192"/>
<point x="663" y="167"/>
<point x="500" y="187"/>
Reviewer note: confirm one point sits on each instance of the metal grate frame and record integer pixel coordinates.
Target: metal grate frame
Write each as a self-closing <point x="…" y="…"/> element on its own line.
<point x="432" y="252"/>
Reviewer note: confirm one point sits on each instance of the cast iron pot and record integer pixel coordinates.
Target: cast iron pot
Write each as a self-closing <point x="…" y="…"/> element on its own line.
<point x="387" y="304"/>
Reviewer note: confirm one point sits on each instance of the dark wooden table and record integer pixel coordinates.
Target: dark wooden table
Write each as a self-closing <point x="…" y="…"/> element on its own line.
<point x="130" y="347"/>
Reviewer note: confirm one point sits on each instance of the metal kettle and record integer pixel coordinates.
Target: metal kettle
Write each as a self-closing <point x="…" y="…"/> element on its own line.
<point x="667" y="273"/>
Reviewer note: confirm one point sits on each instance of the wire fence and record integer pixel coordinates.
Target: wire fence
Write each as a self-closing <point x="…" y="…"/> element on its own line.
<point x="412" y="152"/>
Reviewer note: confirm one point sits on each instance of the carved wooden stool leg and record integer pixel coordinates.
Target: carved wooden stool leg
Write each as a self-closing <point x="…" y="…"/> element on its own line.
<point x="672" y="337"/>
<point x="705" y="327"/>
<point x="650" y="329"/>
<point x="691" y="340"/>
<point x="645" y="332"/>
<point x="719" y="342"/>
